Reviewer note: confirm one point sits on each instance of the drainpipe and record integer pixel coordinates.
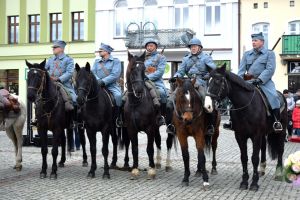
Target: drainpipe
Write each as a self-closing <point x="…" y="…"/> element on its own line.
<point x="239" y="32"/>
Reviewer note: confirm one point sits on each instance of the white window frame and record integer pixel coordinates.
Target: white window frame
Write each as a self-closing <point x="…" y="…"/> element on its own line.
<point x="263" y="27"/>
<point x="214" y="28"/>
<point x="183" y="23"/>
<point x="295" y="23"/>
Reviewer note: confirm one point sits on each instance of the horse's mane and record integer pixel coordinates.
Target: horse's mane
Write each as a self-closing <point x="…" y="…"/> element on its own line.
<point x="239" y="81"/>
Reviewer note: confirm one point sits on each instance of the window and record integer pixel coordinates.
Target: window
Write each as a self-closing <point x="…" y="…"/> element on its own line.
<point x="212" y="17"/>
<point x="9" y="79"/>
<point x="292" y="3"/>
<point x="34" y="28"/>
<point x="77" y="26"/>
<point x="149" y="15"/>
<point x="265" y="4"/>
<point x="294" y="27"/>
<point x="255" y="5"/>
<point x="181" y="13"/>
<point x="120" y="18"/>
<point x="264" y="28"/>
<point x="55" y="26"/>
<point x="13" y="29"/>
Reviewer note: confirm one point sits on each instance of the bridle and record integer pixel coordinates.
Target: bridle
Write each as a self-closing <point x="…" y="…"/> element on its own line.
<point x="40" y="88"/>
<point x="135" y="81"/>
<point x="87" y="90"/>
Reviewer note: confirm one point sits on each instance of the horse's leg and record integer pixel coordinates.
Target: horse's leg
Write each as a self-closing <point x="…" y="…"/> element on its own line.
<point x="44" y="151"/>
<point x="105" y="140"/>
<point x="93" y="149"/>
<point x="201" y="162"/>
<point x="185" y="156"/>
<point x="126" y="143"/>
<point x="114" y="138"/>
<point x="11" y="134"/>
<point x="263" y="159"/>
<point x="242" y="142"/>
<point x="255" y="161"/>
<point x="82" y="142"/>
<point x="169" y="143"/>
<point x="62" y="161"/>
<point x="55" y="142"/>
<point x="135" y="151"/>
<point x="150" y="151"/>
<point x="214" y="145"/>
<point x="157" y="140"/>
<point x="280" y="149"/>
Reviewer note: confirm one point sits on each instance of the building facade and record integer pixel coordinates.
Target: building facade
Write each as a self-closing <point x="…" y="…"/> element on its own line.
<point x="214" y="22"/>
<point x="276" y="19"/>
<point x="28" y="28"/>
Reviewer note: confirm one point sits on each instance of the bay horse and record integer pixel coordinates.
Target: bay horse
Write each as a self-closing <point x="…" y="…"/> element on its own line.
<point x="250" y="120"/>
<point x="98" y="115"/>
<point x="50" y="114"/>
<point x="140" y="115"/>
<point x="14" y="124"/>
<point x="190" y="119"/>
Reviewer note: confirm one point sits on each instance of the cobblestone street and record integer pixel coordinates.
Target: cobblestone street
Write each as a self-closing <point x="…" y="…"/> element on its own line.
<point x="72" y="181"/>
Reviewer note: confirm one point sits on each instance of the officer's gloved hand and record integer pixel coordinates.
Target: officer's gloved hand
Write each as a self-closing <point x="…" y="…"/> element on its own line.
<point x="257" y="82"/>
<point x="101" y="83"/>
<point x="206" y="77"/>
<point x="172" y="80"/>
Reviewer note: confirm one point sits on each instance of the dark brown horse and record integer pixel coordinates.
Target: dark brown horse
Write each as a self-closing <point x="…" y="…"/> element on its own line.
<point x="190" y="119"/>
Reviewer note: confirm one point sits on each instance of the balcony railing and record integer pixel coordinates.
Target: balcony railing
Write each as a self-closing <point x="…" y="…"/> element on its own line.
<point x="167" y="38"/>
<point x="290" y="44"/>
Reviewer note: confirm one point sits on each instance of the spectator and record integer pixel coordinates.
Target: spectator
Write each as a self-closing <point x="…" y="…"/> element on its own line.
<point x="290" y="106"/>
<point x="296" y="118"/>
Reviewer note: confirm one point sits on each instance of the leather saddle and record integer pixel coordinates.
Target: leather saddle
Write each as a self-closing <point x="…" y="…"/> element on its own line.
<point x="9" y="101"/>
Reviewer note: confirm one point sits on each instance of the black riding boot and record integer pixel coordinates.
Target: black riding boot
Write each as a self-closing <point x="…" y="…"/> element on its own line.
<point x="211" y="122"/>
<point x="161" y="115"/>
<point x="277" y="126"/>
<point x="119" y="121"/>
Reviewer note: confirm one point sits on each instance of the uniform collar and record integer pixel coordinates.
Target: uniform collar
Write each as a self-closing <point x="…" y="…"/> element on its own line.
<point x="262" y="50"/>
<point x="151" y="53"/>
<point x="60" y="56"/>
<point x="199" y="55"/>
<point x="109" y="58"/>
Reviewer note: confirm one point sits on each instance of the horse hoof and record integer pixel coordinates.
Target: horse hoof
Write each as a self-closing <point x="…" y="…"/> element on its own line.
<point x="151" y="173"/>
<point x="91" y="175"/>
<point x="244" y="186"/>
<point x="261" y="173"/>
<point x="253" y="187"/>
<point x="168" y="168"/>
<point x="198" y="173"/>
<point x="61" y="165"/>
<point x="85" y="164"/>
<point x="206" y="185"/>
<point x="214" y="172"/>
<point x="18" y="168"/>
<point x="105" y="176"/>
<point x="158" y="166"/>
<point x="185" y="183"/>
<point x="53" y="176"/>
<point x="43" y="175"/>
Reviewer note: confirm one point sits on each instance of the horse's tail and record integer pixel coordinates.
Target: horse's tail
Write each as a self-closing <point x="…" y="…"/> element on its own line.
<point x="275" y="142"/>
<point x="207" y="147"/>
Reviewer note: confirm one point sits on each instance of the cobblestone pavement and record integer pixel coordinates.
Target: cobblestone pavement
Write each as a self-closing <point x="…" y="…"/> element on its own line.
<point x="72" y="182"/>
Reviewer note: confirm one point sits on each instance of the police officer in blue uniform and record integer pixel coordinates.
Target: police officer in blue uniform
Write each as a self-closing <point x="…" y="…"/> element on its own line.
<point x="259" y="65"/>
<point x="107" y="70"/>
<point x="155" y="64"/>
<point x="197" y="64"/>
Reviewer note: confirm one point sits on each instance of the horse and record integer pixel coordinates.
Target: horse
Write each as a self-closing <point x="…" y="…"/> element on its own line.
<point x="98" y="115"/>
<point x="138" y="109"/>
<point x="50" y="113"/>
<point x="190" y="119"/>
<point x="14" y="124"/>
<point x="249" y="123"/>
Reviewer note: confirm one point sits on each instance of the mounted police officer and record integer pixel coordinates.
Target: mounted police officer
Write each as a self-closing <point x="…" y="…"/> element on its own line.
<point x="107" y="70"/>
<point x="258" y="66"/>
<point x="155" y="64"/>
<point x="197" y="64"/>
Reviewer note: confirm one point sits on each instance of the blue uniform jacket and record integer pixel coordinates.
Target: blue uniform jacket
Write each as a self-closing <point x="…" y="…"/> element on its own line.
<point x="199" y="67"/>
<point x="158" y="61"/>
<point x="62" y="67"/>
<point x="109" y="71"/>
<point x="262" y="67"/>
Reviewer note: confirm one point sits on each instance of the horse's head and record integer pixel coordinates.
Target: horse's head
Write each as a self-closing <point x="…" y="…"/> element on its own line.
<point x="188" y="101"/>
<point x="83" y="82"/>
<point x="218" y="86"/>
<point x="36" y="79"/>
<point x="135" y="74"/>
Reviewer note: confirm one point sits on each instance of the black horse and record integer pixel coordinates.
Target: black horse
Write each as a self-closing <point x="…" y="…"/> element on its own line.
<point x="250" y="120"/>
<point x="50" y="113"/>
<point x="98" y="115"/>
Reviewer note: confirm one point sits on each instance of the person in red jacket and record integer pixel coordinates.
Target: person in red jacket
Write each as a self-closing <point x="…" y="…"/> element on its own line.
<point x="296" y="118"/>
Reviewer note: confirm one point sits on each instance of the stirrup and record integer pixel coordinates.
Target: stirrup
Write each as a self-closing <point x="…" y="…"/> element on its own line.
<point x="170" y="129"/>
<point x="119" y="122"/>
<point x="277" y="126"/>
<point x="161" y="121"/>
<point x="228" y="126"/>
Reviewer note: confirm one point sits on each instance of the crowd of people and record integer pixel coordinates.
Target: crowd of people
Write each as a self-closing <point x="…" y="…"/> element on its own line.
<point x="293" y="107"/>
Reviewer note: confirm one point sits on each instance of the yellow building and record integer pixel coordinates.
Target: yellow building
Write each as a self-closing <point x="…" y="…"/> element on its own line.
<point x="276" y="18"/>
<point x="28" y="28"/>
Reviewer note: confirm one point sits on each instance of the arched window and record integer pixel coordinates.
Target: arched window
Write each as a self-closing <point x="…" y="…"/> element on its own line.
<point x="294" y="27"/>
<point x="264" y="28"/>
<point x="120" y="18"/>
<point x="181" y="13"/>
<point x="150" y="14"/>
<point x="212" y="16"/>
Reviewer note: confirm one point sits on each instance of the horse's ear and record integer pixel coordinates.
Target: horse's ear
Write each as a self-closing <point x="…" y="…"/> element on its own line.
<point x="179" y="81"/>
<point x="193" y="81"/>
<point x="223" y="68"/>
<point x="143" y="56"/>
<point x="130" y="56"/>
<point x="43" y="63"/>
<point x="88" y="67"/>
<point x="29" y="65"/>
<point x="77" y="67"/>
